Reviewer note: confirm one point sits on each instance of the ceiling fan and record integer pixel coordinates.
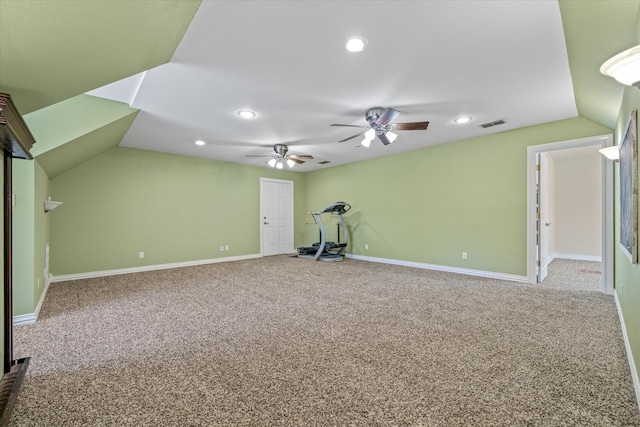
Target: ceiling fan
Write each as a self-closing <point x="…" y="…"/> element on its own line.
<point x="380" y="126"/>
<point x="280" y="157"/>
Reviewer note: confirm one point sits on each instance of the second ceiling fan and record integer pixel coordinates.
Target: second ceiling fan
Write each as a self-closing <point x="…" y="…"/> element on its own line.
<point x="380" y="126"/>
<point x="280" y="156"/>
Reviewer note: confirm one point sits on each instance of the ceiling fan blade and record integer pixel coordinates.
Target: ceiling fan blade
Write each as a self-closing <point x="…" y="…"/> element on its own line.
<point x="383" y="138"/>
<point x="388" y="115"/>
<point x="410" y="126"/>
<point x="295" y="157"/>
<point x="350" y="126"/>
<point x="351" y="137"/>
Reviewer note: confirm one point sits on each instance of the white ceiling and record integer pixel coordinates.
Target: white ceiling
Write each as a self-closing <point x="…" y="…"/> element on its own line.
<point x="285" y="60"/>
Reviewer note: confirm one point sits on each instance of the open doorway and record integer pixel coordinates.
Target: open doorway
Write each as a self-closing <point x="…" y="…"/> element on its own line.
<point x="559" y="195"/>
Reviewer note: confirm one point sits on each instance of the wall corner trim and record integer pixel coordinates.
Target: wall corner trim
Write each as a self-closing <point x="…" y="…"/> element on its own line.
<point x="632" y="365"/>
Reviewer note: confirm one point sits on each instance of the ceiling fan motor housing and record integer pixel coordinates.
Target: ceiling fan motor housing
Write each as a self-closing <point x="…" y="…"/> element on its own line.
<point x="373" y="114"/>
<point x="281" y="149"/>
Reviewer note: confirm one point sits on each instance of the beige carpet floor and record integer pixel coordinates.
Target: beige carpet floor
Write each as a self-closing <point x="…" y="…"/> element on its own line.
<point x="574" y="275"/>
<point x="281" y="341"/>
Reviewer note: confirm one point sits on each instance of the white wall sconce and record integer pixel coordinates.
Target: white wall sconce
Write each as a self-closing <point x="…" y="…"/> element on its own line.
<point x="611" y="153"/>
<point x="624" y="67"/>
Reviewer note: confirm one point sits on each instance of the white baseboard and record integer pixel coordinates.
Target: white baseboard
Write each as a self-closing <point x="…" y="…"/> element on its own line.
<point x="577" y="257"/>
<point x="467" y="271"/>
<point x="27" y="319"/>
<point x="632" y="365"/>
<point x="24" y="319"/>
<point x="103" y="273"/>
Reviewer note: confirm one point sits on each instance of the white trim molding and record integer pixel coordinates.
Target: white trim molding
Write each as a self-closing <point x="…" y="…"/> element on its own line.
<point x="103" y="273"/>
<point x="435" y="267"/>
<point x="577" y="257"/>
<point x="27" y="319"/>
<point x="24" y="319"/>
<point x="632" y="365"/>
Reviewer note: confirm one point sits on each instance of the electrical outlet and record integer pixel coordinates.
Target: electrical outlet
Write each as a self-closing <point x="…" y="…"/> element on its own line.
<point x="226" y="247"/>
<point x="366" y="246"/>
<point x="140" y="255"/>
<point x="464" y="255"/>
<point x="221" y="248"/>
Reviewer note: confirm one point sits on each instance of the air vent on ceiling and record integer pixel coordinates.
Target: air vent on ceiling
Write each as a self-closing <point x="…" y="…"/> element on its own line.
<point x="324" y="162"/>
<point x="491" y="124"/>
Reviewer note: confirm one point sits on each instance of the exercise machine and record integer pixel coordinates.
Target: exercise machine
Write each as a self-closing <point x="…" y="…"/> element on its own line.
<point x="323" y="250"/>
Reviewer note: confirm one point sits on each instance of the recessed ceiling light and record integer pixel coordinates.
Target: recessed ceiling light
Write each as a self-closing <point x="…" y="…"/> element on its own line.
<point x="462" y="119"/>
<point x="246" y="114"/>
<point x="356" y="44"/>
<point x="200" y="142"/>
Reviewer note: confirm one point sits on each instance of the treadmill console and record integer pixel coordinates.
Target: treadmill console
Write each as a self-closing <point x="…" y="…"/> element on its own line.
<point x="337" y="208"/>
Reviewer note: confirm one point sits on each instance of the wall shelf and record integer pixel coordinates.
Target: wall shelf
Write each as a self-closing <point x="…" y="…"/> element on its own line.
<point x="50" y="205"/>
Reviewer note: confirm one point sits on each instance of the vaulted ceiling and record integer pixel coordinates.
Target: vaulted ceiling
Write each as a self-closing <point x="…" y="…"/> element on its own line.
<point x="166" y="73"/>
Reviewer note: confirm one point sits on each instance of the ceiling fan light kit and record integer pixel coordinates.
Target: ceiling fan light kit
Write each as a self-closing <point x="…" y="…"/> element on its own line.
<point x="391" y="136"/>
<point x="624" y="67"/>
<point x="280" y="156"/>
<point x="379" y="120"/>
<point x="368" y="137"/>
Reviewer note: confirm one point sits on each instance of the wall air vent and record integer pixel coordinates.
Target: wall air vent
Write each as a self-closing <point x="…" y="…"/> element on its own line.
<point x="491" y="124"/>
<point x="324" y="162"/>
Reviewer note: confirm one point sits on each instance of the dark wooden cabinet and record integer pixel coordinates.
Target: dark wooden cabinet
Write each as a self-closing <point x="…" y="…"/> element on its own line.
<point x="17" y="141"/>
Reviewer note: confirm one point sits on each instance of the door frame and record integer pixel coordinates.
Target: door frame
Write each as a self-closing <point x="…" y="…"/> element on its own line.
<point x="607" y="205"/>
<point x="542" y="198"/>
<point x="263" y="207"/>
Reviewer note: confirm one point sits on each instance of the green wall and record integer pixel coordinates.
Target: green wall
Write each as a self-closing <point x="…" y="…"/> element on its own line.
<point x="23" y="237"/>
<point x="30" y="235"/>
<point x="627" y="275"/>
<point x="432" y="204"/>
<point x="426" y="206"/>
<point x="172" y="208"/>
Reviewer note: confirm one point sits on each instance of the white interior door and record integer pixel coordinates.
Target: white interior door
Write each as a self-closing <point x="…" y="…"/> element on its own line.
<point x="276" y="216"/>
<point x="544" y="223"/>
